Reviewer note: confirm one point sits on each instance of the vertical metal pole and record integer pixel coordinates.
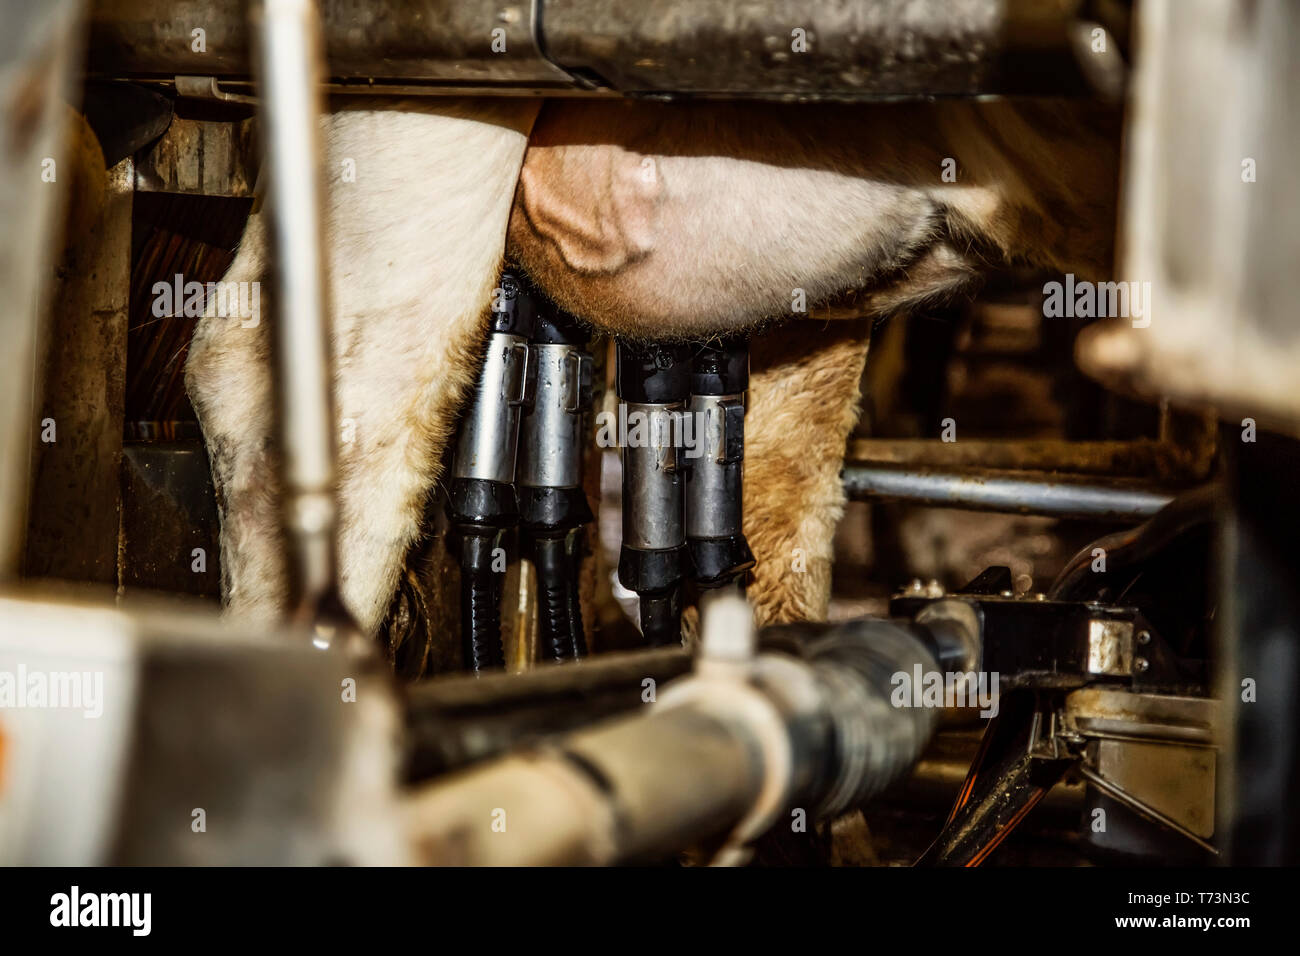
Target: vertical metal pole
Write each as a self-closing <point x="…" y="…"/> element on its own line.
<point x="289" y="61"/>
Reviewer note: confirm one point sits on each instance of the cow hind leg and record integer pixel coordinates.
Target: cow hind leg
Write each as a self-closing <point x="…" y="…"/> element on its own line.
<point x="419" y="194"/>
<point x="803" y="402"/>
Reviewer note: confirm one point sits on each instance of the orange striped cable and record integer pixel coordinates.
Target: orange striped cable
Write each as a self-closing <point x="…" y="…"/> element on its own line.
<point x="1002" y="834"/>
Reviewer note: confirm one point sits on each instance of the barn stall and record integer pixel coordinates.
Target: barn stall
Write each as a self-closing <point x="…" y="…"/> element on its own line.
<point x="872" y="577"/>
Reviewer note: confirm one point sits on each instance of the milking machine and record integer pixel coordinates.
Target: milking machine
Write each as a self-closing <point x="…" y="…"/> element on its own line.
<point x="720" y="555"/>
<point x="519" y="462"/>
<point x="684" y="452"/>
<point x="482" y="504"/>
<point x="552" y="505"/>
<point x="682" y="419"/>
<point x="654" y="383"/>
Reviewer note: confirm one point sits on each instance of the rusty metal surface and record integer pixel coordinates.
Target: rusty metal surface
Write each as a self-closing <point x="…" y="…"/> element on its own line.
<point x="1102" y="712"/>
<point x="816" y="48"/>
<point x="201" y="157"/>
<point x="1153" y="753"/>
<point x="435" y="41"/>
<point x="778" y="49"/>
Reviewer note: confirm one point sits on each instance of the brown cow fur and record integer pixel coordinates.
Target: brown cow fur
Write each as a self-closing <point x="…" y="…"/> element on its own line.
<point x="803" y="402"/>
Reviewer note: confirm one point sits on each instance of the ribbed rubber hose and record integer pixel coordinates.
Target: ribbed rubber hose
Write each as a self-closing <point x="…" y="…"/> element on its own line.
<point x="574" y="548"/>
<point x="875" y="743"/>
<point x="480" y="599"/>
<point x="480" y="621"/>
<point x="553" y="624"/>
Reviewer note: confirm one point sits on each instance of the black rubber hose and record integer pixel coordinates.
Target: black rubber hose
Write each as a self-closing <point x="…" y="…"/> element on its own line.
<point x="574" y="546"/>
<point x="661" y="617"/>
<point x="480" y="607"/>
<point x="1126" y="549"/>
<point x="553" y="607"/>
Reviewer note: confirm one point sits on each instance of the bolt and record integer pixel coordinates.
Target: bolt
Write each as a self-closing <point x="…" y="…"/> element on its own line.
<point x="1144" y="637"/>
<point x="1141" y="665"/>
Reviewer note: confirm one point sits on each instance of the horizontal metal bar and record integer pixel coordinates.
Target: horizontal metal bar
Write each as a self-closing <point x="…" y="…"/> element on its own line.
<point x="453" y="41"/>
<point x="1145" y="458"/>
<point x="1014" y="493"/>
<point x="816" y="49"/>
<point x="780" y="49"/>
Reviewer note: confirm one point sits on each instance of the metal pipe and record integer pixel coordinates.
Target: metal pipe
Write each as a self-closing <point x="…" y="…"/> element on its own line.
<point x="1139" y="458"/>
<point x="780" y="48"/>
<point x="371" y="46"/>
<point x="1038" y="495"/>
<point x="457" y="720"/>
<point x="289" y="60"/>
<point x="719" y="756"/>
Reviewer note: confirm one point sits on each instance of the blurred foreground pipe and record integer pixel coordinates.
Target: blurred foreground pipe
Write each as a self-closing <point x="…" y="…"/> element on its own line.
<point x="455" y="720"/>
<point x="722" y="754"/>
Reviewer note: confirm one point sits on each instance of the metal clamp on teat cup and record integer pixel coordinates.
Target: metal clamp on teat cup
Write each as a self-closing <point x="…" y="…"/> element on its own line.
<point x="653" y="386"/>
<point x="482" y="503"/>
<point x="714" y="488"/>
<point x="552" y="504"/>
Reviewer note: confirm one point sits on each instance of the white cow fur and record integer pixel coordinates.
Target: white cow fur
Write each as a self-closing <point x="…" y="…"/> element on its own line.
<point x="415" y="247"/>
